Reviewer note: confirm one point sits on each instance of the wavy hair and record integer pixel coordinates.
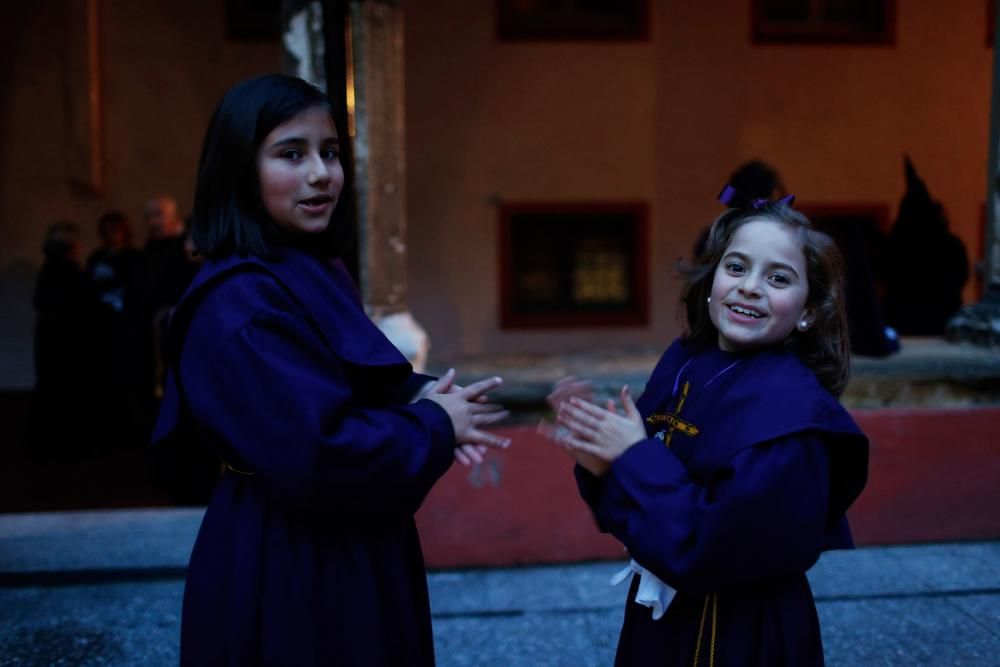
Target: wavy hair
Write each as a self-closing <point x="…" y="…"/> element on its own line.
<point x="825" y="346"/>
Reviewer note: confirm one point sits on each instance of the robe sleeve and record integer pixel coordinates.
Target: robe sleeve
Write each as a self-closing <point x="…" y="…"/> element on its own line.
<point x="275" y="397"/>
<point x="761" y="517"/>
<point x="413" y="384"/>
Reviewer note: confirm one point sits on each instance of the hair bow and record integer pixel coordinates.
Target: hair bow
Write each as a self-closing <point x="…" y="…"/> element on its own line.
<point x="732" y="197"/>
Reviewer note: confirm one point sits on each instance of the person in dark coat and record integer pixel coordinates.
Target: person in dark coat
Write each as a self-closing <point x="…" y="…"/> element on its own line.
<point x="920" y="303"/>
<point x="861" y="244"/>
<point x="166" y="268"/>
<point x="111" y="267"/>
<point x="60" y="419"/>
<point x="308" y="553"/>
<point x="112" y="275"/>
<point x="168" y="264"/>
<point x="734" y="470"/>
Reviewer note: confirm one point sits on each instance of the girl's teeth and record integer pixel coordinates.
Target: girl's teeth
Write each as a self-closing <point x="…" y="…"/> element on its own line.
<point x="744" y="311"/>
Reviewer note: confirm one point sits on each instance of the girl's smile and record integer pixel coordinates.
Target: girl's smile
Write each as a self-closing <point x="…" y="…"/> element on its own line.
<point x="318" y="205"/>
<point x="760" y="287"/>
<point x="300" y="172"/>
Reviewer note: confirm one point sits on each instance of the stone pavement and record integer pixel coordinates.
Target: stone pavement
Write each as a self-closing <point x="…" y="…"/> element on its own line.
<point x="104" y="588"/>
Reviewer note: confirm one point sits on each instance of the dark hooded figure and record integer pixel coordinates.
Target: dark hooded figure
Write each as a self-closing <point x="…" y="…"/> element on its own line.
<point x="919" y="302"/>
<point x="862" y="246"/>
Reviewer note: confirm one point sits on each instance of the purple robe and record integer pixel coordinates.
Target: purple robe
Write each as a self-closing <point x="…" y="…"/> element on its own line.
<point x="313" y="557"/>
<point x="730" y="500"/>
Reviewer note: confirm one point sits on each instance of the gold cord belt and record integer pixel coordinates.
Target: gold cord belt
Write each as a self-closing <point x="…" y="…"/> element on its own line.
<point x="714" y="597"/>
<point x="245" y="473"/>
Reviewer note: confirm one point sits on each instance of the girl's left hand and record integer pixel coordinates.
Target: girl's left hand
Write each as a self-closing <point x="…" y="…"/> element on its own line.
<point x="466" y="454"/>
<point x="444" y="385"/>
<point x="601" y="432"/>
<point x="469" y="455"/>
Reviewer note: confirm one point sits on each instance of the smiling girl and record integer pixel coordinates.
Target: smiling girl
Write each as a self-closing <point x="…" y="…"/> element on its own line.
<point x="308" y="553"/>
<point x="733" y="471"/>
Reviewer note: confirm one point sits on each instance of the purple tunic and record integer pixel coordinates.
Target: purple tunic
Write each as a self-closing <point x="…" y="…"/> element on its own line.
<point x="314" y="557"/>
<point x="730" y="500"/>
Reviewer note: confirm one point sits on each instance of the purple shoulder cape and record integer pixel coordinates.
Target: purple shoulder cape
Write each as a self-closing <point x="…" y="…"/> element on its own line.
<point x="749" y="400"/>
<point x="320" y="287"/>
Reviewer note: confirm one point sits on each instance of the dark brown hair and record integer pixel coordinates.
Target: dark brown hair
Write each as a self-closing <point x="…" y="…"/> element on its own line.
<point x="824" y="347"/>
<point x="229" y="216"/>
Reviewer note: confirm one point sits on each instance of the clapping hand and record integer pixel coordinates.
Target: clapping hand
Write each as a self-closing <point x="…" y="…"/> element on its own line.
<point x="469" y="409"/>
<point x="596" y="436"/>
<point x="567" y="388"/>
<point x="562" y="392"/>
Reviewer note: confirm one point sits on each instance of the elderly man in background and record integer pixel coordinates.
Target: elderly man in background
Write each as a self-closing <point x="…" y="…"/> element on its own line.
<point x="167" y="269"/>
<point x="169" y="265"/>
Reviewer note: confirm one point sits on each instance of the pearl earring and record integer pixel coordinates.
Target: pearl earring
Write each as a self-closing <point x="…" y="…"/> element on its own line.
<point x="708" y="300"/>
<point x="803" y="325"/>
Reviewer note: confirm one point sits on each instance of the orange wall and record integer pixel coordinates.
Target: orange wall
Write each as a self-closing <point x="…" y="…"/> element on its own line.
<point x="664" y="121"/>
<point x="667" y="121"/>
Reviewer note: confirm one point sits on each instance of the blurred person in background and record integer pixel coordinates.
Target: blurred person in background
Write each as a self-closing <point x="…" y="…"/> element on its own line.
<point x="167" y="268"/>
<point x="112" y="274"/>
<point x="59" y="419"/>
<point x="920" y="302"/>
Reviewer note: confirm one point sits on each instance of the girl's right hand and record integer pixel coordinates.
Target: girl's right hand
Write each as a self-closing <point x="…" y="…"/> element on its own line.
<point x="559" y="435"/>
<point x="468" y="412"/>
<point x="602" y="432"/>
<point x="567" y="388"/>
<point x="562" y="392"/>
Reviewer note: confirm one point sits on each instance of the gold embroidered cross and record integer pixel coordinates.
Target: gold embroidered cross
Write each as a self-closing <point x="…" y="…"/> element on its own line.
<point x="673" y="419"/>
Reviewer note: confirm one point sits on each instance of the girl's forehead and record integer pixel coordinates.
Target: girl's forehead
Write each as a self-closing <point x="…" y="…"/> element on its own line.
<point x="769" y="228"/>
<point x="766" y="236"/>
<point x="314" y="114"/>
<point x="312" y="120"/>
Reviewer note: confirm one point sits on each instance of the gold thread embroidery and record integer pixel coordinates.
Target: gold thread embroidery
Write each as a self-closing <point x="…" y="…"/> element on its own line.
<point x="675" y="413"/>
<point x="673" y="421"/>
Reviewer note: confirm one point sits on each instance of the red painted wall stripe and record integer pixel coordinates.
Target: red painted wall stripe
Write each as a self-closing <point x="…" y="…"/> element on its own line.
<point x="935" y="475"/>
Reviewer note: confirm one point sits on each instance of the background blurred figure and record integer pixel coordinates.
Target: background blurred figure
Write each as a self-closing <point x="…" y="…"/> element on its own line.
<point x="59" y="420"/>
<point x="112" y="267"/>
<point x="167" y="263"/>
<point x="112" y="271"/>
<point x="753" y="180"/>
<point x="926" y="265"/>
<point x="167" y="268"/>
<point x="862" y="245"/>
<point x="758" y="180"/>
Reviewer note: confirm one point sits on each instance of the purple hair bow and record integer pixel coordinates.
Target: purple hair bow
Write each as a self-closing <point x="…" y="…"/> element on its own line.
<point x="733" y="198"/>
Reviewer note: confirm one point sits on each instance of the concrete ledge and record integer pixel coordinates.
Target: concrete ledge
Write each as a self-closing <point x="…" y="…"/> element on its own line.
<point x="927" y="372"/>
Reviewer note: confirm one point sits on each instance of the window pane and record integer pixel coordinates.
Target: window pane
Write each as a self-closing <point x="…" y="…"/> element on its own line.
<point x="864" y="15"/>
<point x="573" y="266"/>
<point x="785" y="10"/>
